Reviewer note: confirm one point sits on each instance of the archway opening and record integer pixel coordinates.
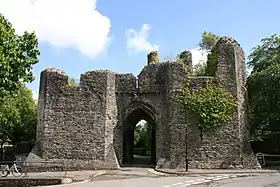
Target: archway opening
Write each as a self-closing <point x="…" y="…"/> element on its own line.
<point x="139" y="140"/>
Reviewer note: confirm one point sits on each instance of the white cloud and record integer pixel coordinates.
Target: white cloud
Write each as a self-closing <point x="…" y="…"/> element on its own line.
<point x="62" y="23"/>
<point x="198" y="56"/>
<point x="138" y="41"/>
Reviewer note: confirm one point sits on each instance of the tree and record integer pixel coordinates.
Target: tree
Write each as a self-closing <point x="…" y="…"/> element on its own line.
<point x="208" y="40"/>
<point x="137" y="134"/>
<point x="18" y="53"/>
<point x="266" y="54"/>
<point x="207" y="43"/>
<point x="18" y="116"/>
<point x="263" y="89"/>
<point x="264" y="102"/>
<point x="72" y="82"/>
<point x="143" y="136"/>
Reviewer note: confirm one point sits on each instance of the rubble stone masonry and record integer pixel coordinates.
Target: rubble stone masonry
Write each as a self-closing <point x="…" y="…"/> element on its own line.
<point x="84" y="126"/>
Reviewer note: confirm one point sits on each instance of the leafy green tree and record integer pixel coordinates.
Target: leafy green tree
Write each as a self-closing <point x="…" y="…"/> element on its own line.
<point x="207" y="43"/>
<point x="18" y="117"/>
<point x="18" y="53"/>
<point x="266" y="54"/>
<point x="263" y="89"/>
<point x="147" y="139"/>
<point x="9" y="116"/>
<point x="208" y="40"/>
<point x="143" y="136"/>
<point x="264" y="102"/>
<point x="137" y="134"/>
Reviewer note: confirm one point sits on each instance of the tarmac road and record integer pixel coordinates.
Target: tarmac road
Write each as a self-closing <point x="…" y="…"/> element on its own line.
<point x="142" y="177"/>
<point x="137" y="182"/>
<point x="147" y="177"/>
<point x="271" y="180"/>
<point x="225" y="180"/>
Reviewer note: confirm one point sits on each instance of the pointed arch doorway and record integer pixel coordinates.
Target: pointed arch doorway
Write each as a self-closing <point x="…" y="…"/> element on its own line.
<point x="139" y="139"/>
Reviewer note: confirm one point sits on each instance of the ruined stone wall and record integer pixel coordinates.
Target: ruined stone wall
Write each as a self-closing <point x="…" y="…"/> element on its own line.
<point x="144" y="93"/>
<point x="111" y="119"/>
<point x="75" y="119"/>
<point x="126" y="89"/>
<point x="78" y="121"/>
<point x="198" y="149"/>
<point x="158" y="79"/>
<point x="153" y="92"/>
<point x="232" y="74"/>
<point x="175" y="116"/>
<point x="224" y="148"/>
<point x="186" y="58"/>
<point x="40" y="114"/>
<point x="85" y="124"/>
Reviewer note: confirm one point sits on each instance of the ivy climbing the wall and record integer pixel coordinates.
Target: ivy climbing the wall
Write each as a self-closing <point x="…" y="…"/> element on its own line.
<point x="153" y="57"/>
<point x="210" y="106"/>
<point x="72" y="82"/>
<point x="212" y="62"/>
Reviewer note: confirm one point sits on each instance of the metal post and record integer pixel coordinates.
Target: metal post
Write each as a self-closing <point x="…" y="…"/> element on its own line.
<point x="186" y="132"/>
<point x="65" y="169"/>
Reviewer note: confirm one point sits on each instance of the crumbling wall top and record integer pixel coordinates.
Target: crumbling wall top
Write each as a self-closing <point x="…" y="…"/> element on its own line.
<point x="227" y="40"/>
<point x="100" y="71"/>
<point x="54" y="77"/>
<point x="54" y="70"/>
<point x="125" y="82"/>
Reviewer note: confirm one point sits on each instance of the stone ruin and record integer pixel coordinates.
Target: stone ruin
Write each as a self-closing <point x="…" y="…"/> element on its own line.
<point x="91" y="125"/>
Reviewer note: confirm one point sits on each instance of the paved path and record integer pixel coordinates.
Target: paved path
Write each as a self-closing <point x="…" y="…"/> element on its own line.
<point x="126" y="173"/>
<point x="74" y="175"/>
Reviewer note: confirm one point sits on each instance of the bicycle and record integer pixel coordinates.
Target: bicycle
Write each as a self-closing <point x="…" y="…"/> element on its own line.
<point x="14" y="169"/>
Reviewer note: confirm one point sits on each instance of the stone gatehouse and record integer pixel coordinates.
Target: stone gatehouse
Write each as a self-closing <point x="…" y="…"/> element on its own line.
<point x="91" y="125"/>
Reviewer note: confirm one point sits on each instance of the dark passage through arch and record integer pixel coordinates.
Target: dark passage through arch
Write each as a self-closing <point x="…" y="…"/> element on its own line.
<point x="133" y="155"/>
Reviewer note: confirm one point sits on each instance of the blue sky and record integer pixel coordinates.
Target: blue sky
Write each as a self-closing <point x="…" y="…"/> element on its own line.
<point x="77" y="38"/>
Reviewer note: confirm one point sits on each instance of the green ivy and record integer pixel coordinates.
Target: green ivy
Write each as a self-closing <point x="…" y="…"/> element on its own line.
<point x="212" y="62"/>
<point x="153" y="57"/>
<point x="211" y="106"/>
<point x="72" y="82"/>
<point x="156" y="59"/>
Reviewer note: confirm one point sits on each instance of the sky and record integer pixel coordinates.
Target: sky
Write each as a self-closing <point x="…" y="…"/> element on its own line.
<point x="77" y="36"/>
